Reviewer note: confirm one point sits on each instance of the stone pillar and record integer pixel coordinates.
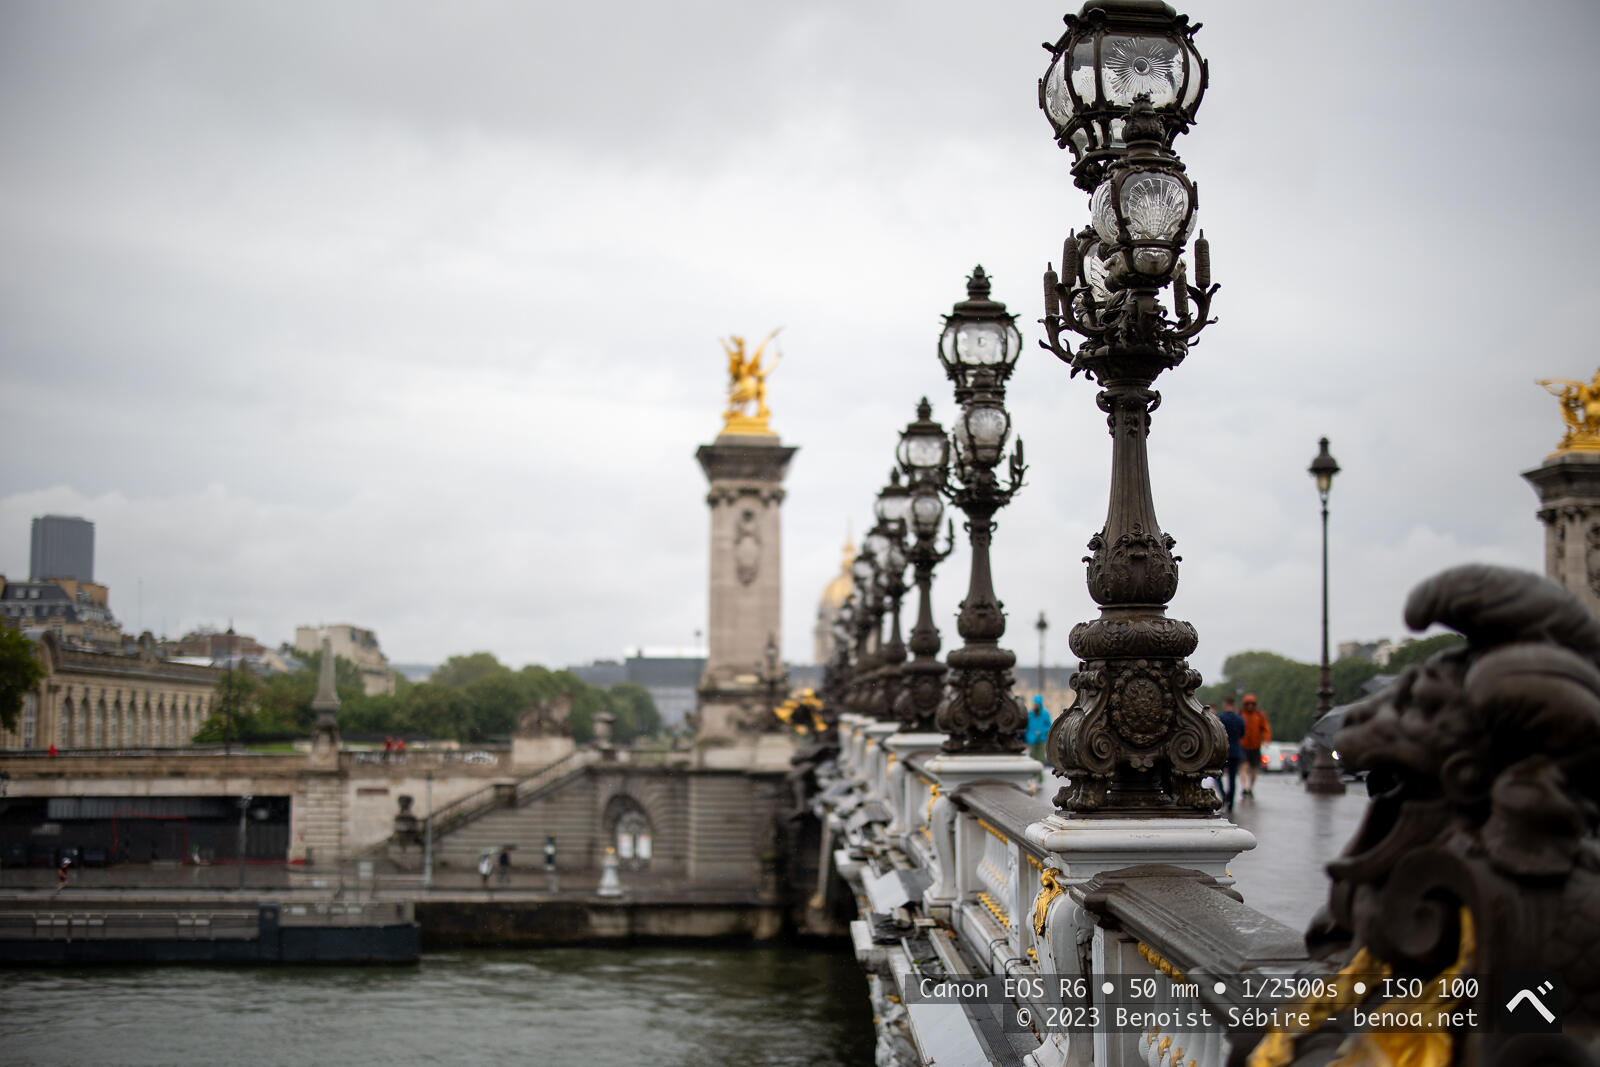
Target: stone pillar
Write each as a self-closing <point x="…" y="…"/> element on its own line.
<point x="325" y="732"/>
<point x="1568" y="484"/>
<point x="746" y="474"/>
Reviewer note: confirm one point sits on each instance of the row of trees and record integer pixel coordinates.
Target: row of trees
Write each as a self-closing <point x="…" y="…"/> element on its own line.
<point x="472" y="698"/>
<point x="1287" y="689"/>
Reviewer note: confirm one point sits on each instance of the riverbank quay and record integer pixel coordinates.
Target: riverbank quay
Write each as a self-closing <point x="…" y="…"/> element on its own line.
<point x="171" y="919"/>
<point x="121" y="926"/>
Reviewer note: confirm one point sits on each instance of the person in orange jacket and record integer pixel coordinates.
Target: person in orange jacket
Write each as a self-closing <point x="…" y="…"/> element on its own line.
<point x="1257" y="732"/>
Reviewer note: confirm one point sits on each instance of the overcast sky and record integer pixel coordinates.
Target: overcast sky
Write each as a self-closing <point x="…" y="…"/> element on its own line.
<point x="407" y="314"/>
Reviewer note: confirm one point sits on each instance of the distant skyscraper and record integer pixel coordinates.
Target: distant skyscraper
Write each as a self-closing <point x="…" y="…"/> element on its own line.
<point x="63" y="547"/>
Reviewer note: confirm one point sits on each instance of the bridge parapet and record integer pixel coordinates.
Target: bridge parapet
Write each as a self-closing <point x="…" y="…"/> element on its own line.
<point x="967" y="878"/>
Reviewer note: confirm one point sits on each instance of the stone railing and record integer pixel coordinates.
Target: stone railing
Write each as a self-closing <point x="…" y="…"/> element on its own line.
<point x="1044" y="940"/>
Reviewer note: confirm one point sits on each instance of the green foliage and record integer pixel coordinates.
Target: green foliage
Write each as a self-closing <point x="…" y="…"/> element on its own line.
<point x="458" y="672"/>
<point x="1418" y="651"/>
<point x="471" y="698"/>
<point x="20" y="673"/>
<point x="1286" y="689"/>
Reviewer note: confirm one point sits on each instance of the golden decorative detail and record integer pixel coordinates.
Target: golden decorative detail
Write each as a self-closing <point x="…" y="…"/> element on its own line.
<point x="1177" y="1055"/>
<point x="1166" y="1043"/>
<point x="1033" y="954"/>
<point x="1431" y="1047"/>
<point x="1050" y="889"/>
<point x="1580" y="410"/>
<point x="1000" y="914"/>
<point x="747" y="385"/>
<point x="1004" y="840"/>
<point x="1160" y="963"/>
<point x="893" y="758"/>
<point x="926" y="832"/>
<point x="1033" y="861"/>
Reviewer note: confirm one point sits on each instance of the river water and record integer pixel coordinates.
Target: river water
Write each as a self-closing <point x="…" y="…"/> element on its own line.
<point x="762" y="1007"/>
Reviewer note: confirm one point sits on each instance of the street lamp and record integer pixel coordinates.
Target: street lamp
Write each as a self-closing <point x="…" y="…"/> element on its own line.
<point x="893" y="509"/>
<point x="1041" y="626"/>
<point x="1121" y="84"/>
<point x="1324" y="776"/>
<point x="864" y="619"/>
<point x="924" y="455"/>
<point x="773" y="677"/>
<point x="978" y="348"/>
<point x="1112" y="51"/>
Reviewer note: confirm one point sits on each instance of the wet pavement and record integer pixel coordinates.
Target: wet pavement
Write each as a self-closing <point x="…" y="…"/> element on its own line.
<point x="1297" y="833"/>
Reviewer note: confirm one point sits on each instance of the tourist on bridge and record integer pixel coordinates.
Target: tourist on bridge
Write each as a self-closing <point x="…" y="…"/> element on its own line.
<point x="1257" y="732"/>
<point x="1038" y="729"/>
<point x="61" y="872"/>
<point x="1233" y="725"/>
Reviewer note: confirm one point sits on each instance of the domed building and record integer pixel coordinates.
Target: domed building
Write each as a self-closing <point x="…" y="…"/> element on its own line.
<point x="833" y="598"/>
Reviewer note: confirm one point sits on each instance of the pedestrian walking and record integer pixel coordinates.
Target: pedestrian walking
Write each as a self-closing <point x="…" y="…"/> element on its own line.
<point x="61" y="872"/>
<point x="1257" y="732"/>
<point x="485" y="864"/>
<point x="1233" y="726"/>
<point x="1038" y="729"/>
<point x="505" y="863"/>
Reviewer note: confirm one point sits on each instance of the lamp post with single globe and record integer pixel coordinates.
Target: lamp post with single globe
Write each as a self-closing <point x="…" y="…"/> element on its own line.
<point x="1122" y="83"/>
<point x="1324" y="776"/>
<point x="772" y="676"/>
<point x="1042" y="625"/>
<point x="978" y="348"/>
<point x="924" y="455"/>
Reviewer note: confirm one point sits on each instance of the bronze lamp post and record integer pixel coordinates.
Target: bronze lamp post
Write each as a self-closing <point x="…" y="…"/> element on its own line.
<point x="1324" y="776"/>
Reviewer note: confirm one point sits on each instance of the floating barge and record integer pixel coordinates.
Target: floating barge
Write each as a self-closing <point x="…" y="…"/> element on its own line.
<point x="188" y="931"/>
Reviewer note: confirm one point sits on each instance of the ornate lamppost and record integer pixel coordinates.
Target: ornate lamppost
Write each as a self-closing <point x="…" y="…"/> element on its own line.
<point x="865" y="621"/>
<point x="1042" y="625"/>
<point x="978" y="348"/>
<point x="1324" y="776"/>
<point x="893" y="508"/>
<point x="1122" y="82"/>
<point x="924" y="455"/>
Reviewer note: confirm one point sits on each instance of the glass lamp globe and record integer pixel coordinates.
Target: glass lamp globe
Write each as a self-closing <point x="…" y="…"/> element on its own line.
<point x="1114" y="50"/>
<point x="979" y="335"/>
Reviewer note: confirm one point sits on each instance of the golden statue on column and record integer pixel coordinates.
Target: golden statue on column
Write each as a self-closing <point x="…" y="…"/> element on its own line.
<point x="747" y="386"/>
<point x="1580" y="410"/>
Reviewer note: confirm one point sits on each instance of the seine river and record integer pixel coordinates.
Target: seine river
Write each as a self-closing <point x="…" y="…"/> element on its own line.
<point x="599" y="1006"/>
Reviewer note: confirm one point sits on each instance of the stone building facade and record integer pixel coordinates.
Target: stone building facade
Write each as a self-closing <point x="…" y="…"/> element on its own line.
<point x="98" y="699"/>
<point x="355" y="644"/>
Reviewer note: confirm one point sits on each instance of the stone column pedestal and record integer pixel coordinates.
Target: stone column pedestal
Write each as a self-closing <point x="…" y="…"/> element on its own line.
<point x="746" y="498"/>
<point x="1568" y="484"/>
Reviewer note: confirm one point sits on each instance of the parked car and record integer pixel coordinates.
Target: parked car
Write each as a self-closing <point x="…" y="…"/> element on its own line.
<point x="1279" y="757"/>
<point x="1322" y="733"/>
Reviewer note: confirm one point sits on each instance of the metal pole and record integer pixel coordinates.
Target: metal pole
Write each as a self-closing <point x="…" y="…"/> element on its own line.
<point x="1324" y="777"/>
<point x="427" y="837"/>
<point x="1041" y="626"/>
<point x="244" y="808"/>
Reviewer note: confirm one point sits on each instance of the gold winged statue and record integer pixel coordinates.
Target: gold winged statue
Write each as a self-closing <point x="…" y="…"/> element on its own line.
<point x="747" y="385"/>
<point x="1580" y="410"/>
